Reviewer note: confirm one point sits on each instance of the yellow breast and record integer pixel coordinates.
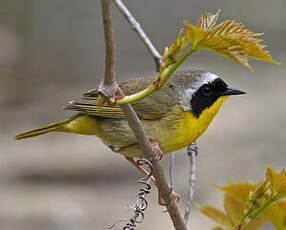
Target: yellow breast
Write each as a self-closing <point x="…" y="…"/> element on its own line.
<point x="188" y="128"/>
<point x="175" y="131"/>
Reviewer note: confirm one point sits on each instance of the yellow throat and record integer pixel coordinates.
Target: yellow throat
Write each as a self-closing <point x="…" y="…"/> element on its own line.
<point x="189" y="127"/>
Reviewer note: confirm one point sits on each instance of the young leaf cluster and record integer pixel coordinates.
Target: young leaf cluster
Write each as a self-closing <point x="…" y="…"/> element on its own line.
<point x="229" y="38"/>
<point x="251" y="205"/>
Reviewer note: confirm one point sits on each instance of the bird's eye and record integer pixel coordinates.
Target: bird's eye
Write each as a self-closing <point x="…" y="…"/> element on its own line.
<point x="207" y="90"/>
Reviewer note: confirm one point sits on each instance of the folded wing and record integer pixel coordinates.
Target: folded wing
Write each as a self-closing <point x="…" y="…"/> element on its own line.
<point x="151" y="107"/>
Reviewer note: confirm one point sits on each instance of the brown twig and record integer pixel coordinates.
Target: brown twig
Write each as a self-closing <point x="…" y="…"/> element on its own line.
<point x="133" y="120"/>
<point x="109" y="85"/>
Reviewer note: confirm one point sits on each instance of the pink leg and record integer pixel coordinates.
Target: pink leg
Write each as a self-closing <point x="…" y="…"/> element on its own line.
<point x="122" y="148"/>
<point x="174" y="196"/>
<point x="141" y="169"/>
<point x="158" y="154"/>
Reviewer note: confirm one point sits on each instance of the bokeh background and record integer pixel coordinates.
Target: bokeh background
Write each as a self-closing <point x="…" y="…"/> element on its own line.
<point x="53" y="51"/>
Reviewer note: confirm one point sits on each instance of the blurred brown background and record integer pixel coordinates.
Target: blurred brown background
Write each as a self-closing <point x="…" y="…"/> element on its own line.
<point x="52" y="52"/>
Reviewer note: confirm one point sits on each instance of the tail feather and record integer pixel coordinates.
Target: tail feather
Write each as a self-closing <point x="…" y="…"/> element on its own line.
<point x="57" y="126"/>
<point x="39" y="131"/>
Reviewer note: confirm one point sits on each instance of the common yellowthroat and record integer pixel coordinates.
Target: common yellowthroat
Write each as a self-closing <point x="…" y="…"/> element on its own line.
<point x="174" y="116"/>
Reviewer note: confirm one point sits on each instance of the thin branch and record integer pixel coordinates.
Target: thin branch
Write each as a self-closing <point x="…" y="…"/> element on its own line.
<point x="171" y="169"/>
<point x="134" y="121"/>
<point x="108" y="85"/>
<point x="192" y="151"/>
<point x="137" y="28"/>
<point x="158" y="170"/>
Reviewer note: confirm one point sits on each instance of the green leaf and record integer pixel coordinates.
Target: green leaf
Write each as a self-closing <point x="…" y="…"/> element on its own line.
<point x="229" y="38"/>
<point x="193" y="34"/>
<point x="176" y="48"/>
<point x="229" y="48"/>
<point x="277" y="181"/>
<point x="208" y="21"/>
<point x="276" y="214"/>
<point x="218" y="216"/>
<point x="236" y="200"/>
<point x="218" y="228"/>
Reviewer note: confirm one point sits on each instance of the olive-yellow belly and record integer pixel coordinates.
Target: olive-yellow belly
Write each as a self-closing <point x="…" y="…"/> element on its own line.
<point x="182" y="128"/>
<point x="174" y="131"/>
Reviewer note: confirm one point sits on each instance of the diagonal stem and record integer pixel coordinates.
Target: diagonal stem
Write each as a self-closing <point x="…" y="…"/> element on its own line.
<point x="251" y="217"/>
<point x="158" y="83"/>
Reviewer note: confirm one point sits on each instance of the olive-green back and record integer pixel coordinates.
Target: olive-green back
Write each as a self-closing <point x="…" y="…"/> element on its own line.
<point x="154" y="106"/>
<point x="151" y="107"/>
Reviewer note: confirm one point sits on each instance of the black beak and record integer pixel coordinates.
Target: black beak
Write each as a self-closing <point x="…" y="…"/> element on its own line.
<point x="231" y="91"/>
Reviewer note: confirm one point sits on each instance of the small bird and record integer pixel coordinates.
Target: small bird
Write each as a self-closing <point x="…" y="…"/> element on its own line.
<point x="172" y="117"/>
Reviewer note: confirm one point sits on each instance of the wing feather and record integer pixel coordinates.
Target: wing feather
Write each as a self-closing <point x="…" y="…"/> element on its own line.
<point x="152" y="107"/>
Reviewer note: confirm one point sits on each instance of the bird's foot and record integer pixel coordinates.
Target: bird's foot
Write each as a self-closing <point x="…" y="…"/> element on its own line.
<point x="175" y="197"/>
<point x="158" y="154"/>
<point x="119" y="149"/>
<point x="142" y="170"/>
